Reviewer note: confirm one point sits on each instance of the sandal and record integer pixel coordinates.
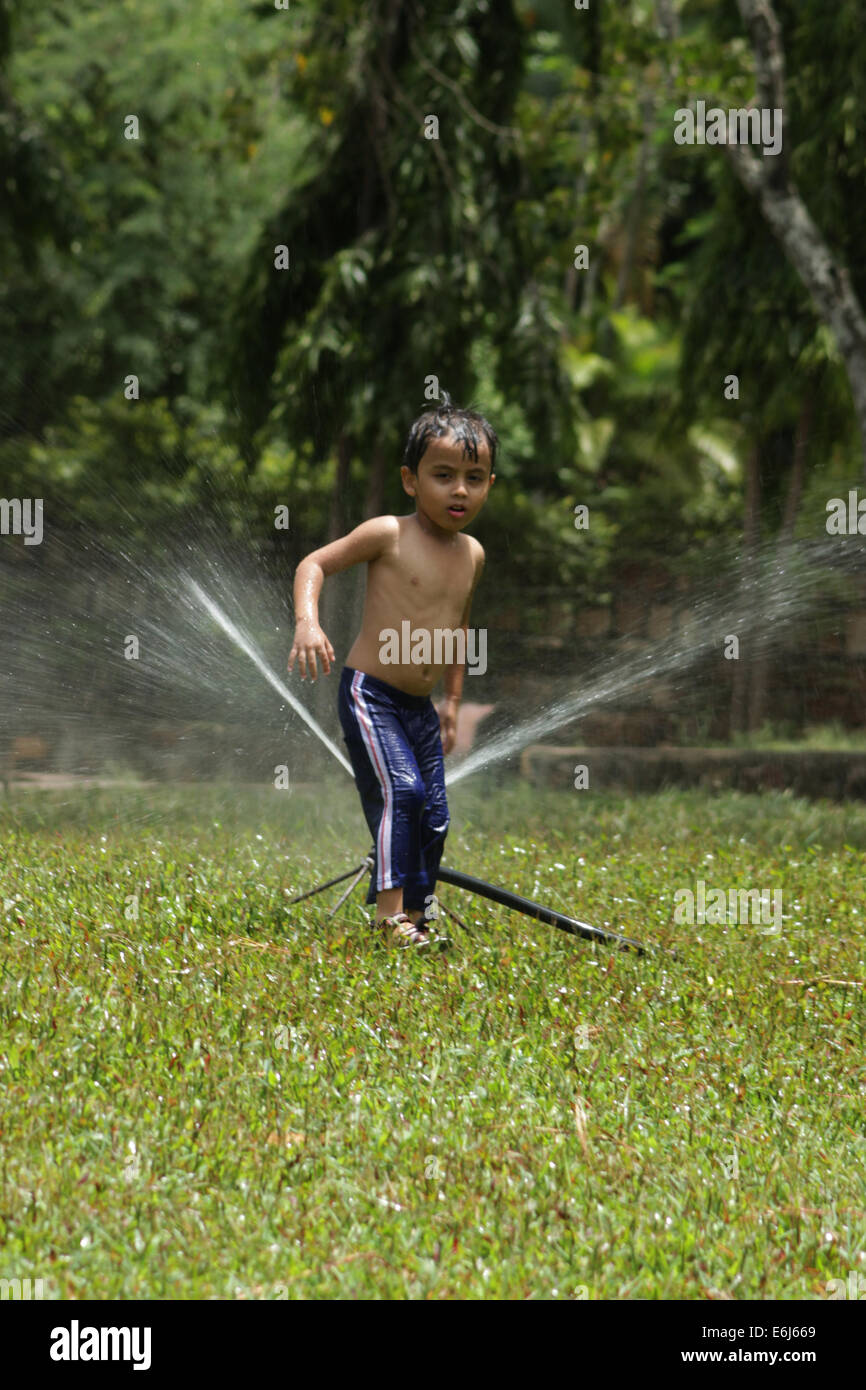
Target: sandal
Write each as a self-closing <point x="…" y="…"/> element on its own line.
<point x="403" y="930"/>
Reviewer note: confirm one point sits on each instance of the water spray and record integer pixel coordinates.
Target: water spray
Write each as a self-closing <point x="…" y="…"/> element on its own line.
<point x="281" y="688"/>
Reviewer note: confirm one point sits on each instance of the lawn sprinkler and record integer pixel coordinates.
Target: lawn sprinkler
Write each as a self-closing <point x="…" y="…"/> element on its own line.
<point x="571" y="925"/>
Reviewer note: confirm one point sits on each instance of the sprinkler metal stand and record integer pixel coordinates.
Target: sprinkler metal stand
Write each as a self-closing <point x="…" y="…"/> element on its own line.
<point x="365" y="868"/>
<point x="571" y="925"/>
<point x="454" y="918"/>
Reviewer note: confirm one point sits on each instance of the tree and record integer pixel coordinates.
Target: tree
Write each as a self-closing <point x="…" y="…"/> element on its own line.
<point x="408" y="240"/>
<point x="822" y="271"/>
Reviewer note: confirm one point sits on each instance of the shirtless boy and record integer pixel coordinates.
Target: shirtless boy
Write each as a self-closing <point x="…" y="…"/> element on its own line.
<point x="420" y="568"/>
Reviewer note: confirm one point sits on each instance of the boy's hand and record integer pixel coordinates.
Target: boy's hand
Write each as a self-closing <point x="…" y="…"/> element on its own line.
<point x="310" y="642"/>
<point x="448" y="723"/>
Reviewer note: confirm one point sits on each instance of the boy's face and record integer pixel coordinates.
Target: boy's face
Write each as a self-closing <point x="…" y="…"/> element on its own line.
<point x="449" y="488"/>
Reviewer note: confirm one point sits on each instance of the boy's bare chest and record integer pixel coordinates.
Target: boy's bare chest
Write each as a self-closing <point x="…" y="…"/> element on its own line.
<point x="424" y="581"/>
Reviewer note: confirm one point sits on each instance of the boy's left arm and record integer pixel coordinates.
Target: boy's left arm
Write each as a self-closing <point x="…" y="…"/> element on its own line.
<point x="455" y="673"/>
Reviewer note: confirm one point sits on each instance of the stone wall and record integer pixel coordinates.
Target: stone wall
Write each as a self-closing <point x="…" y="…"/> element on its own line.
<point x="836" y="775"/>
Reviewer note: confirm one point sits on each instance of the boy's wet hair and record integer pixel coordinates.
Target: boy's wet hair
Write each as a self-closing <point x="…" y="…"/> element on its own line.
<point x="468" y="427"/>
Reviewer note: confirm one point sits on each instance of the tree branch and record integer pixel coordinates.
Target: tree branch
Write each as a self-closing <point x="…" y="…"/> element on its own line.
<point x="825" y="277"/>
<point x="512" y="131"/>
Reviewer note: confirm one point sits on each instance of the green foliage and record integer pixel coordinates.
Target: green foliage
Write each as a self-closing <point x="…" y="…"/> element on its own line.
<point x="413" y="258"/>
<point x="127" y="277"/>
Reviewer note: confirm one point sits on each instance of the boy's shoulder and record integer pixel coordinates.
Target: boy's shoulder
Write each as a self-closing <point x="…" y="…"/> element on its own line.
<point x="384" y="529"/>
<point x="383" y="523"/>
<point x="476" y="550"/>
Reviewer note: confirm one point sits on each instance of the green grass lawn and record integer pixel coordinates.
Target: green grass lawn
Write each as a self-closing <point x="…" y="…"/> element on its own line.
<point x="206" y="1094"/>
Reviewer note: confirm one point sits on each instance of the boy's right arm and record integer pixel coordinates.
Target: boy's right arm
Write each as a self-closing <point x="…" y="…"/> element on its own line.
<point x="365" y="543"/>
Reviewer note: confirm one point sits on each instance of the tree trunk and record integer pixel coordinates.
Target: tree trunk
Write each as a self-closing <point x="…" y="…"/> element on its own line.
<point x="375" y="499"/>
<point x="580" y="186"/>
<point x="751" y="537"/>
<point x="330" y="612"/>
<point x="758" y="689"/>
<point x="827" y="281"/>
<point x="332" y="618"/>
<point x="636" y="205"/>
<point x="596" y="252"/>
<point x="337" y="514"/>
<point x="762" y="664"/>
<point x="766" y="179"/>
<point x="798" y="472"/>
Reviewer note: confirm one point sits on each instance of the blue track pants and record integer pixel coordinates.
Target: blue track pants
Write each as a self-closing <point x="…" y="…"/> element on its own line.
<point x="395" y="748"/>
